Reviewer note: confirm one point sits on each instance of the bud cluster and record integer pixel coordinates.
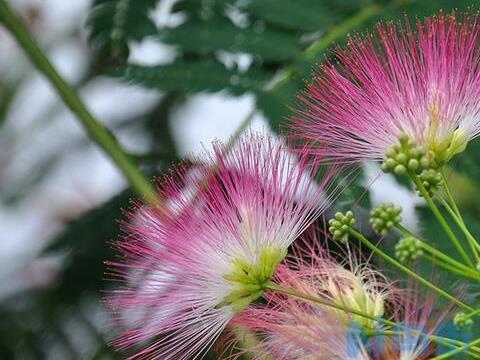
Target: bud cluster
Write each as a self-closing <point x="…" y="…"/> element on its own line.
<point x="431" y="180"/>
<point x="408" y="249"/>
<point x="340" y="226"/>
<point x="405" y="156"/>
<point x="384" y="217"/>
<point x="462" y="322"/>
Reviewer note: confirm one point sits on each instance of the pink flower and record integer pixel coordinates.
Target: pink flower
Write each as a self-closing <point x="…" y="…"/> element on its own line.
<point x="292" y="328"/>
<point x="188" y="271"/>
<point x="422" y="82"/>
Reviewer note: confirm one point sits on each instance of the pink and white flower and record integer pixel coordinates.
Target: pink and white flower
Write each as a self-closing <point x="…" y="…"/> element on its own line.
<point x="294" y="327"/>
<point x="422" y="82"/>
<point x="203" y="261"/>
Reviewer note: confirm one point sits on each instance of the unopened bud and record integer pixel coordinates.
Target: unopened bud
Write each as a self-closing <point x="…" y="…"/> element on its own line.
<point x="340" y="225"/>
<point x="408" y="249"/>
<point x="384" y="217"/>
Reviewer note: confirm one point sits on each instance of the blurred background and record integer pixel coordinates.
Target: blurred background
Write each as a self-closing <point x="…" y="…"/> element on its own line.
<point x="166" y="77"/>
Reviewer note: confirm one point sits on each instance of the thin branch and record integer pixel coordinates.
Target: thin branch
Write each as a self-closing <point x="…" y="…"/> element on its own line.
<point x="97" y="132"/>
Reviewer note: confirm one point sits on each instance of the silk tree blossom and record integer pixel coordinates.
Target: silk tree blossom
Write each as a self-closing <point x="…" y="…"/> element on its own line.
<point x="207" y="258"/>
<point x="421" y="83"/>
<point x="291" y="328"/>
<point x="350" y="283"/>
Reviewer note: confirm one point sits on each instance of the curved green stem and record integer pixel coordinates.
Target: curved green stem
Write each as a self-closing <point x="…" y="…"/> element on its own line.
<point x="472" y="242"/>
<point x="409" y="272"/>
<point x="459" y="219"/>
<point x="457" y="351"/>
<point x="273" y="287"/>
<point x="98" y="133"/>
<point x="449" y="194"/>
<point x="341" y="29"/>
<point x="473" y="314"/>
<point x="452" y="269"/>
<point x="292" y="292"/>
<point x="437" y="253"/>
<point x="441" y="219"/>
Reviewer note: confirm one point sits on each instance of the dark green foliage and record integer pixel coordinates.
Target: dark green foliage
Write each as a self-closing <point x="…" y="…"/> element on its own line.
<point x="85" y="268"/>
<point x="206" y="37"/>
<point x="112" y="23"/>
<point x="191" y="76"/>
<point x="468" y="162"/>
<point x="301" y="15"/>
<point x="275" y="33"/>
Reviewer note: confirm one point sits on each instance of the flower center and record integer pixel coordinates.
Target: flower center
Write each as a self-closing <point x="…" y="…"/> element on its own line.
<point x="356" y="296"/>
<point x="249" y="278"/>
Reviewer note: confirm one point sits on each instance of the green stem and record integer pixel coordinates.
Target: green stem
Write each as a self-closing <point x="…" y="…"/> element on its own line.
<point x="275" y="288"/>
<point x="98" y="133"/>
<point x="340" y="30"/>
<point x="472" y="242"/>
<point x="449" y="267"/>
<point x="459" y="219"/>
<point x="449" y="194"/>
<point x="441" y="219"/>
<point x="435" y="252"/>
<point x="473" y="314"/>
<point x="406" y="270"/>
<point x="451" y="343"/>
<point x="457" y="351"/>
<point x="322" y="44"/>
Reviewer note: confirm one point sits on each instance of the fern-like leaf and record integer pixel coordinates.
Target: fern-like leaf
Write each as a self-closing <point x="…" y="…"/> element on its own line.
<point x="112" y="23"/>
<point x="191" y="77"/>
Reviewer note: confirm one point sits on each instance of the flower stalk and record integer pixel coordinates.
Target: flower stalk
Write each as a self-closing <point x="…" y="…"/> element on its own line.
<point x="441" y="258"/>
<point x="472" y="242"/>
<point x="436" y="212"/>
<point x="457" y="345"/>
<point x="97" y="132"/>
<point x="408" y="271"/>
<point x="457" y="351"/>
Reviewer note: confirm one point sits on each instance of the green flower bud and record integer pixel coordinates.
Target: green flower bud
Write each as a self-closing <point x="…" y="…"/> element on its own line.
<point x="431" y="180"/>
<point x="401" y="158"/>
<point x="340" y="225"/>
<point x="408" y="249"/>
<point x="424" y="162"/>
<point x="413" y="164"/>
<point x="384" y="217"/>
<point x="462" y="322"/>
<point x="407" y="156"/>
<point x="400" y="170"/>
